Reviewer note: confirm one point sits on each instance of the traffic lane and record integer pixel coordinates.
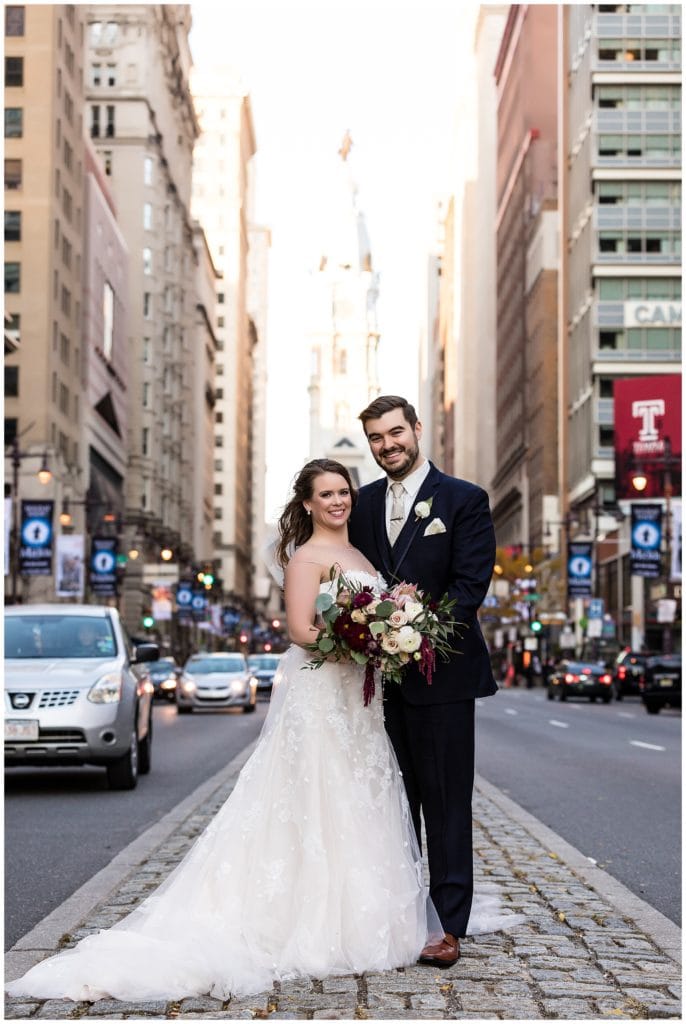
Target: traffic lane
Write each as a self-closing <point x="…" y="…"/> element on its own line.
<point x="617" y="803"/>
<point x="62" y="825"/>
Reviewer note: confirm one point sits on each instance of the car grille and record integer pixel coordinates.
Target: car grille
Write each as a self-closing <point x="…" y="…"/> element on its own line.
<point x="61" y="736"/>
<point x="57" y="698"/>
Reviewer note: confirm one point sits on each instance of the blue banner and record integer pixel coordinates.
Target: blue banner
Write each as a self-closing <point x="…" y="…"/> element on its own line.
<point x="35" y="549"/>
<point x="579" y="569"/>
<point x="646" y="541"/>
<point x="103" y="566"/>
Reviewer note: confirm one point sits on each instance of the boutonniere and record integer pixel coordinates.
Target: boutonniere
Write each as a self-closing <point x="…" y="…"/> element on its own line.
<point x="422" y="509"/>
<point x="434" y="527"/>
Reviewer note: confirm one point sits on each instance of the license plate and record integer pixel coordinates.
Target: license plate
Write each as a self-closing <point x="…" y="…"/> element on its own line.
<point x="667" y="682"/>
<point x="21" y="729"/>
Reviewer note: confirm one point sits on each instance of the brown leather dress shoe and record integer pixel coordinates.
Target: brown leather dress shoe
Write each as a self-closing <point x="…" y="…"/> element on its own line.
<point x="441" y="954"/>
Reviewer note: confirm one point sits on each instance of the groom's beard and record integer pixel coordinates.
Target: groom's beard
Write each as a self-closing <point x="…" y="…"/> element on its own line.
<point x="399" y="470"/>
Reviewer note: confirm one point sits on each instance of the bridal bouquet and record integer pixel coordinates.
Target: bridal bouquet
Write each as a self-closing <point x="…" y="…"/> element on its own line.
<point x="385" y="631"/>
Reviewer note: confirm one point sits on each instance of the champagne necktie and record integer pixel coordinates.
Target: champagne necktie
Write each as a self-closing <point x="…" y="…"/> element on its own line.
<point x="397" y="512"/>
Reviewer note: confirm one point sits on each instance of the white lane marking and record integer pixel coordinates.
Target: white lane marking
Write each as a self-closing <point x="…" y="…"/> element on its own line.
<point x="646" y="746"/>
<point x="626" y="714"/>
<point x="560" y="725"/>
<point x="511" y="711"/>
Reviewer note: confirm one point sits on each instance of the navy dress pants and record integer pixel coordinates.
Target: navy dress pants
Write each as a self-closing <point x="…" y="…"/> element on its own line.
<point x="434" y="744"/>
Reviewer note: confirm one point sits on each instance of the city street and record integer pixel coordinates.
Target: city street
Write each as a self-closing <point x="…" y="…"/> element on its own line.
<point x="604" y="777"/>
<point x="62" y="825"/>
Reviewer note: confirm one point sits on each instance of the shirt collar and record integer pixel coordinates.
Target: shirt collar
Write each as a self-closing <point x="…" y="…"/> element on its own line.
<point x="414" y="481"/>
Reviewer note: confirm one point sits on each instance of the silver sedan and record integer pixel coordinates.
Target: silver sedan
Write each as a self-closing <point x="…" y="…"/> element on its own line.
<point x="216" y="681"/>
<point x="74" y="693"/>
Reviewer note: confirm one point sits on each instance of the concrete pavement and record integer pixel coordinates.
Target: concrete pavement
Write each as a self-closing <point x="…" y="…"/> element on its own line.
<point x="588" y="949"/>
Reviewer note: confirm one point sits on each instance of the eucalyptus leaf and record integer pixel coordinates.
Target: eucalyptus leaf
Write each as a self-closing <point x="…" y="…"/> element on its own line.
<point x="323" y="602"/>
<point x="359" y="657"/>
<point x="326" y="644"/>
<point x="384" y="609"/>
<point x="377" y="627"/>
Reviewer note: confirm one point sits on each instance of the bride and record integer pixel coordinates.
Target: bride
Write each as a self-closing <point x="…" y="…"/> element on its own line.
<point x="312" y="865"/>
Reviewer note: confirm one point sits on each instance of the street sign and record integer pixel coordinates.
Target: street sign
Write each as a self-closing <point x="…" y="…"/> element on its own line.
<point x="596" y="607"/>
<point x="646" y="540"/>
<point x="579" y="569"/>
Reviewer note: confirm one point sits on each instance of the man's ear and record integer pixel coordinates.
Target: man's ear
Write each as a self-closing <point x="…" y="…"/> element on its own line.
<point x="418" y="430"/>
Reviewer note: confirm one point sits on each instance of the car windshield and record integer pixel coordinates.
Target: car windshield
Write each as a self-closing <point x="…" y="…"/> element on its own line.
<point x="161" y="668"/>
<point x="583" y="667"/>
<point x="203" y="665"/>
<point x="260" y="661"/>
<point x="59" y="636"/>
<point x="666" y="660"/>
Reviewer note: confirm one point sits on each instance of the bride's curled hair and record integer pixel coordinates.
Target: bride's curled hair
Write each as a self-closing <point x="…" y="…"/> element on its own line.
<point x="295" y="525"/>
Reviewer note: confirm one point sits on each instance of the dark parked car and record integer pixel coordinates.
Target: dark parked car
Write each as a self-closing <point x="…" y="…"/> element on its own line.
<point x="164" y="674"/>
<point x="628" y="670"/>
<point x="580" y="679"/>
<point x="660" y="683"/>
<point x="263" y="667"/>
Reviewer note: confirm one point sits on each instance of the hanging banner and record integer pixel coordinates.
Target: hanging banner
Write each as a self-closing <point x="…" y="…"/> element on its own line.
<point x="35" y="551"/>
<point x="675" y="544"/>
<point x="103" y="566"/>
<point x="184" y="599"/>
<point x="70" y="573"/>
<point x="647" y="423"/>
<point x="646" y="541"/>
<point x="579" y="569"/>
<point x="162" y="601"/>
<point x="8" y="533"/>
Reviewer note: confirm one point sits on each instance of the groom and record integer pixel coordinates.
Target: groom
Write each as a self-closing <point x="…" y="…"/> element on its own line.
<point x="419" y="525"/>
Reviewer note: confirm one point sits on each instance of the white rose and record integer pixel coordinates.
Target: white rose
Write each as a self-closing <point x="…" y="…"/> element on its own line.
<point x="397" y="619"/>
<point x="422" y="509"/>
<point x="357" y="615"/>
<point x="409" y="639"/>
<point x="389" y="643"/>
<point x="413" y="609"/>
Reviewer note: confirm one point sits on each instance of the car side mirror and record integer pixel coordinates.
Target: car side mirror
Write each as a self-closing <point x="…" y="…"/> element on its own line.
<point x="145" y="652"/>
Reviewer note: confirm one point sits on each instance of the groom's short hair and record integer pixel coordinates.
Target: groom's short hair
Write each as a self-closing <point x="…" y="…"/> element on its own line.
<point x="383" y="404"/>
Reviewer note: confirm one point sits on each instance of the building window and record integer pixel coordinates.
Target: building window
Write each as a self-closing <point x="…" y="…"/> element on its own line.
<point x="13" y="326"/>
<point x="111" y="74"/>
<point x="14" y="72"/>
<point x="145" y="441"/>
<point x="218" y="441"/>
<point x="107" y="161"/>
<point x="68" y="154"/>
<point x="219" y="417"/>
<point x="147" y="305"/>
<point x="147" y="352"/>
<point x="220" y="298"/>
<point x="14" y="21"/>
<point x="14" y="122"/>
<point x="95" y="122"/>
<point x="66" y="253"/>
<point x="147" y="216"/>
<point x="218" y="465"/>
<point x="147" y="260"/>
<point x="146" y="395"/>
<point x="64" y="349"/>
<point x="109" y="131"/>
<point x="64" y="399"/>
<point x="147" y="171"/>
<point x="96" y="74"/>
<point x="11" y="424"/>
<point x="12" y="278"/>
<point x="107" y="320"/>
<point x="68" y="107"/>
<point x="220" y="321"/>
<point x="11" y="381"/>
<point x="65" y="301"/>
<point x="67" y="204"/>
<point x="606" y="387"/>
<point x="12" y="225"/>
<point x="606" y="437"/>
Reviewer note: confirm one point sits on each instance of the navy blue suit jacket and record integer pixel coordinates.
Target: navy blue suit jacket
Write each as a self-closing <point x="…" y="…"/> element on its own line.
<point x="458" y="562"/>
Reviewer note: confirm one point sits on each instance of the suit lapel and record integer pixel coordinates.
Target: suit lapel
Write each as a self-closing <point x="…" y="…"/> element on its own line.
<point x="412" y="524"/>
<point x="379" y="526"/>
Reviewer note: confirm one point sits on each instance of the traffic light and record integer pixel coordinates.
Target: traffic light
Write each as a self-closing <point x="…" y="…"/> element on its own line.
<point x="536" y="626"/>
<point x="148" y="622"/>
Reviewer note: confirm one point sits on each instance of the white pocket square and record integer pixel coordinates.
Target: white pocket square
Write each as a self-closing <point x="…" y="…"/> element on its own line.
<point x="435" y="526"/>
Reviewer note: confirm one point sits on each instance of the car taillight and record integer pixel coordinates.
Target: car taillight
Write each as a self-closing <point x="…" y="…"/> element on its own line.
<point x="607" y="679"/>
<point x="569" y="678"/>
<point x="621" y="672"/>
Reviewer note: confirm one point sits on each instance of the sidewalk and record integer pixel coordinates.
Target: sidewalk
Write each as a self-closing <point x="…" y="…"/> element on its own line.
<point x="589" y="948"/>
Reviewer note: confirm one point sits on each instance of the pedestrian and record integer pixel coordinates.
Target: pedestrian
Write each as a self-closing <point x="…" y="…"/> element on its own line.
<point x="434" y="530"/>
<point x="311" y="867"/>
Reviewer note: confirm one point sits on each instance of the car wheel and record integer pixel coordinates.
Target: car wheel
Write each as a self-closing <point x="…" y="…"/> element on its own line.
<point x="592" y="700"/>
<point x="145" y="749"/>
<point x="182" y="710"/>
<point x="551" y="695"/>
<point x="607" y="698"/>
<point x="618" y="694"/>
<point x="563" y="695"/>
<point x="123" y="773"/>
<point x="652" y="707"/>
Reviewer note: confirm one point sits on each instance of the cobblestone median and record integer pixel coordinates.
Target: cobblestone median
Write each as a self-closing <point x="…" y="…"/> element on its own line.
<point x="575" y="956"/>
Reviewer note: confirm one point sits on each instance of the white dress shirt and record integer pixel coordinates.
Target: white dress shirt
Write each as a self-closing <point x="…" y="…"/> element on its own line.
<point x="411" y="483"/>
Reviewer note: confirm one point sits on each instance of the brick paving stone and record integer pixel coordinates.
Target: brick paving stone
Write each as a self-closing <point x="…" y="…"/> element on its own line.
<point x="566" y="1009"/>
<point x="427" y="1001"/>
<point x="343" y="984"/>
<point x="20" y="1011"/>
<point x="56" y="1009"/>
<point x="347" y="1013"/>
<point x="144" y="1007"/>
<point x="195" y="1004"/>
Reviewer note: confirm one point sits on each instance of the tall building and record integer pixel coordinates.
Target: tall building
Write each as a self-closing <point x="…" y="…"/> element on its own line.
<point x="142" y="123"/>
<point x="44" y="182"/>
<point x="222" y="201"/>
<point x="621" y="229"/>
<point x="525" y="481"/>
<point x="344" y="336"/>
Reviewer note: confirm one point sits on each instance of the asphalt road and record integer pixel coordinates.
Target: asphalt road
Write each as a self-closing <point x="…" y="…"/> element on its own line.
<point x="605" y="777"/>
<point x="62" y="825"/>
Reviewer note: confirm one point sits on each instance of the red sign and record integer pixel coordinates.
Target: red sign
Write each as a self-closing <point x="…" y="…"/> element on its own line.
<point x="647" y="436"/>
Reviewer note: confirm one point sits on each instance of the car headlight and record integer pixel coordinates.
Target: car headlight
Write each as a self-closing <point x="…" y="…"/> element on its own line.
<point x="188" y="686"/>
<point x="107" y="690"/>
<point x="168" y="684"/>
<point x="238" y="686"/>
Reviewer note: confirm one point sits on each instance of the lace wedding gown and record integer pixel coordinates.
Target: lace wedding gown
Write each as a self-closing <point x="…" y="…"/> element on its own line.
<point x="311" y="867"/>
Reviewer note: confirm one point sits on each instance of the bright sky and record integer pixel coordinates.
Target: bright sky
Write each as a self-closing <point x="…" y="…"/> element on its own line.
<point x="397" y="75"/>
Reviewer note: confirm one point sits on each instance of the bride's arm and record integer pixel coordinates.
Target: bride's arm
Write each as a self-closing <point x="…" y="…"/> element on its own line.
<point x="300" y="590"/>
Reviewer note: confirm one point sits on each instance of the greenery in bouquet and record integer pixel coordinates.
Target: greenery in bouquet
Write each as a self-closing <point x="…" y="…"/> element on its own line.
<point x="383" y="631"/>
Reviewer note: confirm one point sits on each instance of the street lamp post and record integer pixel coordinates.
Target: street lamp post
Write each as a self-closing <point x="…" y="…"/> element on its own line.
<point x="45" y="476"/>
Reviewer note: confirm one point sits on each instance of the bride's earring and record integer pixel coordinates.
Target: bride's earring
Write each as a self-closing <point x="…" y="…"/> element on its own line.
<point x="309" y="511"/>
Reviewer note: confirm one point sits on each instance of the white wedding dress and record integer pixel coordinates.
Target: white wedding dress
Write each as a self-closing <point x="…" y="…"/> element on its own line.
<point x="311" y="867"/>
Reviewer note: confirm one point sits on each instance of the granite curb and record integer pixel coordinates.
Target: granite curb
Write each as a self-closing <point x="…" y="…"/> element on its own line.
<point x="588" y="948"/>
